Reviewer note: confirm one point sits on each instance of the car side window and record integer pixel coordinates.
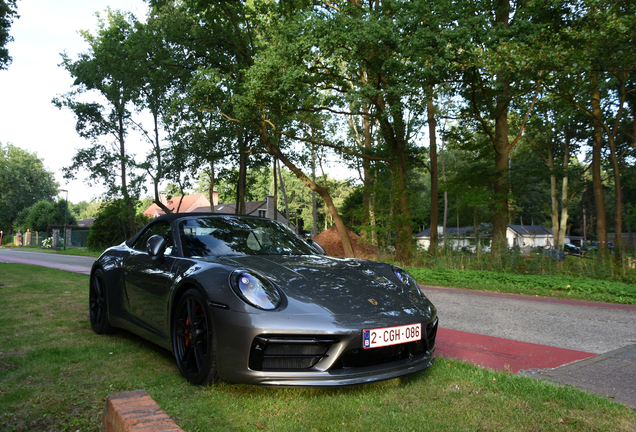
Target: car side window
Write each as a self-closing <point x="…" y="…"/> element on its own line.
<point x="162" y="229"/>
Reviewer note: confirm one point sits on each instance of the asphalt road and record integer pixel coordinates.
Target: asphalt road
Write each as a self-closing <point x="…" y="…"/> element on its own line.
<point x="583" y="326"/>
<point x="72" y="263"/>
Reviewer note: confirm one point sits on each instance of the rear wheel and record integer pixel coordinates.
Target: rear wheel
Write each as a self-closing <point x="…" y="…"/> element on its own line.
<point x="193" y="339"/>
<point x="97" y="304"/>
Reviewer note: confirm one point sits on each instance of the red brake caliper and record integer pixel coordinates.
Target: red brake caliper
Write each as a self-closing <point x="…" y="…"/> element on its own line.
<point x="199" y="311"/>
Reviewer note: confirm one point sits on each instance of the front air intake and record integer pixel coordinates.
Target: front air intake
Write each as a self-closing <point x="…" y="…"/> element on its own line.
<point x="283" y="353"/>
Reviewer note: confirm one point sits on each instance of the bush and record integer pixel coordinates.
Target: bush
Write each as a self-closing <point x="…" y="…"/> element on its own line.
<point x="111" y="225"/>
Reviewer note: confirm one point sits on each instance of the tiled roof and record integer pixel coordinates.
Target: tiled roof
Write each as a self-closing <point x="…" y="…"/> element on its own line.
<point x="183" y="205"/>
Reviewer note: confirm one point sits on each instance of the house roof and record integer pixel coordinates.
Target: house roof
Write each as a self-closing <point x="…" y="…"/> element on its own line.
<point x="531" y="230"/>
<point x="251" y="207"/>
<point x="86" y="223"/>
<point x="184" y="207"/>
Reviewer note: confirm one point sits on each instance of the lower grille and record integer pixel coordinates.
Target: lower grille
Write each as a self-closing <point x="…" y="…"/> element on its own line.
<point x="280" y="353"/>
<point x="357" y="358"/>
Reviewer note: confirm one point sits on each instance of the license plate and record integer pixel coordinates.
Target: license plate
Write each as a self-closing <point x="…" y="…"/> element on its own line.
<point x="386" y="336"/>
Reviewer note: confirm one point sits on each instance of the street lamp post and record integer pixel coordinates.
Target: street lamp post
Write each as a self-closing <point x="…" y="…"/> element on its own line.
<point x="65" y="211"/>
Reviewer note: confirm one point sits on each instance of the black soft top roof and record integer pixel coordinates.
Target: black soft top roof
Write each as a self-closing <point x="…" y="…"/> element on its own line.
<point x="171" y="217"/>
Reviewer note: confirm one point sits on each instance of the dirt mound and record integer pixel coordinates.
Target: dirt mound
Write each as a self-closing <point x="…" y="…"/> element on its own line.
<point x="330" y="240"/>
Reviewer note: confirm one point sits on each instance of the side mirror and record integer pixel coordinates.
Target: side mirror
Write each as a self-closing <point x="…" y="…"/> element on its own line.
<point x="317" y="246"/>
<point x="156" y="247"/>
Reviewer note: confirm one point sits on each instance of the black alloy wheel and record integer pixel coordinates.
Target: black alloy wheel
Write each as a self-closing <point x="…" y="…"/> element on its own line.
<point x="97" y="305"/>
<point x="193" y="339"/>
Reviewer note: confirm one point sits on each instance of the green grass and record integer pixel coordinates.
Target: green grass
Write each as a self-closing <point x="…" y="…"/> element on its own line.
<point x="55" y="373"/>
<point x="562" y="286"/>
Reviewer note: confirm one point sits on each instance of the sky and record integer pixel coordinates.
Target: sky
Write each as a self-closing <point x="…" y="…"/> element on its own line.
<point x="28" y="119"/>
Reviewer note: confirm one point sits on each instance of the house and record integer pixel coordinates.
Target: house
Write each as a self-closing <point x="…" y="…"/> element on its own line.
<point x="185" y="204"/>
<point x="85" y="223"/>
<point x="458" y="237"/>
<point x="530" y="236"/>
<point x="533" y="236"/>
<point x="264" y="208"/>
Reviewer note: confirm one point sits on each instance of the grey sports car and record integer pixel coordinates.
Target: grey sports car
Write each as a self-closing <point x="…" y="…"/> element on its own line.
<point x="246" y="300"/>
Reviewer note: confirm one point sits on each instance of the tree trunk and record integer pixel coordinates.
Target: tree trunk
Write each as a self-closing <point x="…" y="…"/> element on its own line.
<point x="211" y="187"/>
<point x="124" y="186"/>
<point x="275" y="191"/>
<point x="282" y="188"/>
<point x="597" y="135"/>
<point x="554" y="210"/>
<point x="618" y="192"/>
<point x="366" y="173"/>
<point x="432" y="124"/>
<point x="372" y="217"/>
<point x="394" y="134"/>
<point x="445" y="196"/>
<point x="314" y="206"/>
<point x="242" y="180"/>
<point x="502" y="158"/>
<point x="322" y="191"/>
<point x="564" y="194"/>
<point x="159" y="173"/>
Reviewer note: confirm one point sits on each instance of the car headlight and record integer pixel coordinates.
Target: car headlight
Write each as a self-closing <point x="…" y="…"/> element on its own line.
<point x="408" y="280"/>
<point x="255" y="290"/>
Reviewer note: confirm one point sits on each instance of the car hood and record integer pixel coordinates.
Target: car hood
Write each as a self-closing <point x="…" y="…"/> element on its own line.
<point x="335" y="285"/>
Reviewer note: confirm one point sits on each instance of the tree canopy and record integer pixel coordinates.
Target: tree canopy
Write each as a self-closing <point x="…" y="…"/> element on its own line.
<point x="504" y="111"/>
<point x="23" y="182"/>
<point x="8" y="12"/>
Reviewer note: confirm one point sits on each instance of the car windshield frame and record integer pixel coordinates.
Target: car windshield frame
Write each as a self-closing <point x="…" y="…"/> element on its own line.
<point x="214" y="236"/>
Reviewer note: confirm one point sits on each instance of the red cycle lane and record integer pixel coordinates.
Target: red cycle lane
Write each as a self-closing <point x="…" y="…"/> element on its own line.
<point x="502" y="354"/>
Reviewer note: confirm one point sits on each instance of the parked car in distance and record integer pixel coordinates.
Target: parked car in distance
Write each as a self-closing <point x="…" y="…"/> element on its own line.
<point x="571" y="249"/>
<point x="245" y="299"/>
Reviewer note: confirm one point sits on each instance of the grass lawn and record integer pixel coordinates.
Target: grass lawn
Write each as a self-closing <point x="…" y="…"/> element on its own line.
<point x="55" y="373"/>
<point x="562" y="286"/>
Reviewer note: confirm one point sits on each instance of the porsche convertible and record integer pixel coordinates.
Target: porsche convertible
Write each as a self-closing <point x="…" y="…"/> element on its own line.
<point x="247" y="300"/>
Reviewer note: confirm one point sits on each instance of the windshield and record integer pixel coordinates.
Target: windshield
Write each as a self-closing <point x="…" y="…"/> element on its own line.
<point x="231" y="235"/>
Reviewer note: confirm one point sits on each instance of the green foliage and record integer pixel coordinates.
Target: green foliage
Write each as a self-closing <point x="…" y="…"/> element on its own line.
<point x="111" y="225"/>
<point x="44" y="214"/>
<point x="8" y="12"/>
<point x="23" y="182"/>
<point x="85" y="210"/>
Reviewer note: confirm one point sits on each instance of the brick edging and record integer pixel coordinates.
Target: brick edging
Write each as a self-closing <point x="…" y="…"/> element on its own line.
<point x="135" y="411"/>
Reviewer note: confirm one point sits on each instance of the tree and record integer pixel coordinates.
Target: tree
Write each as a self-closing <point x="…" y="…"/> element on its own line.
<point x="8" y="12"/>
<point x="498" y="66"/>
<point x="594" y="52"/>
<point x="111" y="225"/>
<point x="108" y="69"/>
<point x="23" y="182"/>
<point x="43" y="214"/>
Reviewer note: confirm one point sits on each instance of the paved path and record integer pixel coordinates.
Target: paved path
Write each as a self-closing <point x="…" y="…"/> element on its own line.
<point x="72" y="263"/>
<point x="590" y="345"/>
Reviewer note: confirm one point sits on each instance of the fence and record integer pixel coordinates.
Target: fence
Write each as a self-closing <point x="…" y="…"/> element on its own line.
<point x="76" y="238"/>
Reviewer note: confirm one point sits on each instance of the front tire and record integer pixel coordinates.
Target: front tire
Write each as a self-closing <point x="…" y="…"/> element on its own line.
<point x="193" y="339"/>
<point x="98" y="304"/>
